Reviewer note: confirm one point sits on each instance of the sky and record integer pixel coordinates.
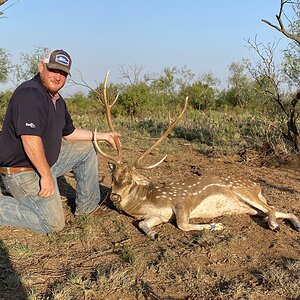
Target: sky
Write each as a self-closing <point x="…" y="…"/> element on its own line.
<point x="200" y="35"/>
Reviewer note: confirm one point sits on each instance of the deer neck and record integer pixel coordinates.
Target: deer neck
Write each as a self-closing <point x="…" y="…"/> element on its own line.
<point x="132" y="195"/>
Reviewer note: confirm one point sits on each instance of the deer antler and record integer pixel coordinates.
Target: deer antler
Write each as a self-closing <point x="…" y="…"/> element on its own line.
<point x="108" y="108"/>
<point x="172" y="124"/>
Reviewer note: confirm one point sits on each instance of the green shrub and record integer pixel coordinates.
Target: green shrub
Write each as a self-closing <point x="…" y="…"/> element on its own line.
<point x="4" y="99"/>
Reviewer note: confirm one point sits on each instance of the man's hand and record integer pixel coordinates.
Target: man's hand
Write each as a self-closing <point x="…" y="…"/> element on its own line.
<point x="35" y="151"/>
<point x="47" y="186"/>
<point x="113" y="138"/>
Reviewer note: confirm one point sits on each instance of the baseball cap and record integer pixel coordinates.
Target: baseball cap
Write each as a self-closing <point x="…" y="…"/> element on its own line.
<point x="59" y="60"/>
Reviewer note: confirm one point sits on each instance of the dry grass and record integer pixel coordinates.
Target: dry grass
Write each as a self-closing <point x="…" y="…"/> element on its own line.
<point x="105" y="256"/>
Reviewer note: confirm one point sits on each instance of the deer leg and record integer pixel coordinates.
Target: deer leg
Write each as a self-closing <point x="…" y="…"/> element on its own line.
<point x="262" y="198"/>
<point x="182" y="220"/>
<point x="148" y="223"/>
<point x="271" y="216"/>
<point x="280" y="215"/>
<point x="291" y="217"/>
<point x="259" y="202"/>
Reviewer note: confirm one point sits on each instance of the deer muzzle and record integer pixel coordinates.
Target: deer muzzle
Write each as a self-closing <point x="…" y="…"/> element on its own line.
<point x="115" y="198"/>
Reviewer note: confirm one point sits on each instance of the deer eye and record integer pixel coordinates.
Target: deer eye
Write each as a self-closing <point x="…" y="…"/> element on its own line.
<point x="112" y="167"/>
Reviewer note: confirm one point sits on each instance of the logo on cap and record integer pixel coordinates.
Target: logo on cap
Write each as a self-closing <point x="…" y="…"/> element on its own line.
<point x="62" y="59"/>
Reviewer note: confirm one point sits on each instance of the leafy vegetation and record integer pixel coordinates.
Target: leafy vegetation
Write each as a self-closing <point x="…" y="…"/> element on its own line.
<point x="226" y="121"/>
<point x="259" y="106"/>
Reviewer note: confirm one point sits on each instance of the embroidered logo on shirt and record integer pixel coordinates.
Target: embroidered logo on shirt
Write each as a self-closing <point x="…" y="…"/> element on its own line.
<point x="32" y="125"/>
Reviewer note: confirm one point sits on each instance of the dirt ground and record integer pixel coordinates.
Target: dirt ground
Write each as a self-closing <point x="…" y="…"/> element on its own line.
<point x="105" y="256"/>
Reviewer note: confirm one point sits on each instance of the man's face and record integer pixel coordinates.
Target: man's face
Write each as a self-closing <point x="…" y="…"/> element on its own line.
<point x="52" y="79"/>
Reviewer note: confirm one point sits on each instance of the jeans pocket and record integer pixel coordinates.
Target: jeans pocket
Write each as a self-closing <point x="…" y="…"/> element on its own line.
<point x="23" y="184"/>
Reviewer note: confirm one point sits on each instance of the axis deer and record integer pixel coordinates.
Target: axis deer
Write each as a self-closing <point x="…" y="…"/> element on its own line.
<point x="196" y="197"/>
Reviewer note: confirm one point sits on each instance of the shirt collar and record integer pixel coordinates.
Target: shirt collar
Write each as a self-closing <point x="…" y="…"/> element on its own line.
<point x="54" y="97"/>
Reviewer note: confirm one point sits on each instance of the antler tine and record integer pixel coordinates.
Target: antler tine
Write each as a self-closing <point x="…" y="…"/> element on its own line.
<point x="108" y="108"/>
<point x="137" y="164"/>
<point x="115" y="159"/>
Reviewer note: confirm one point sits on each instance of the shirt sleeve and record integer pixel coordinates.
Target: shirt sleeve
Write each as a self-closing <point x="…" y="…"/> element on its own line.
<point x="29" y="112"/>
<point x="69" y="126"/>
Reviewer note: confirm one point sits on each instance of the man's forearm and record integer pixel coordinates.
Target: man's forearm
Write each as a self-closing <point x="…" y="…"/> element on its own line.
<point x="79" y="135"/>
<point x="87" y="135"/>
<point x="34" y="149"/>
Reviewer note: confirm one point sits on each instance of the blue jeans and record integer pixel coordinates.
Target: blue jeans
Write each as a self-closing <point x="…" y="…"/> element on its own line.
<point x="24" y="208"/>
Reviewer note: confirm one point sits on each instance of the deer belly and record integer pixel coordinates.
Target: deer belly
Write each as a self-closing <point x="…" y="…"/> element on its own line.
<point x="165" y="213"/>
<point x="218" y="205"/>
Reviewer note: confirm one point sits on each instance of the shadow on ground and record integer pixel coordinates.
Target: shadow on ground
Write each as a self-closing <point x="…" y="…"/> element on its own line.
<point x="11" y="287"/>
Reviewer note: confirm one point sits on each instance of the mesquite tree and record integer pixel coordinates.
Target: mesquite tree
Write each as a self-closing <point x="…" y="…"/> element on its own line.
<point x="294" y="63"/>
<point x="2" y="10"/>
<point x="271" y="79"/>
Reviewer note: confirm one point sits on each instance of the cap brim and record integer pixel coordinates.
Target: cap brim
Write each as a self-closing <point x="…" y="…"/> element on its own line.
<point x="58" y="67"/>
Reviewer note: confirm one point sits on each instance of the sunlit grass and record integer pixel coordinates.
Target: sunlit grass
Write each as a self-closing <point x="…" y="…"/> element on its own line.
<point x="21" y="249"/>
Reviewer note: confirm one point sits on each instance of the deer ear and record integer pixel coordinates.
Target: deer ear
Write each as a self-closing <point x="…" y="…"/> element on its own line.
<point x="111" y="167"/>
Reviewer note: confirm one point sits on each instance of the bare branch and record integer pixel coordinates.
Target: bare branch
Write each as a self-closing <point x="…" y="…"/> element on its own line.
<point x="83" y="83"/>
<point x="281" y="28"/>
<point x="2" y="2"/>
<point x="2" y="11"/>
<point x="266" y="69"/>
<point x="134" y="74"/>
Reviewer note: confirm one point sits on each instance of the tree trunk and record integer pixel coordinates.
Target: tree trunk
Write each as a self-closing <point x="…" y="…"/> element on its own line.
<point x="293" y="132"/>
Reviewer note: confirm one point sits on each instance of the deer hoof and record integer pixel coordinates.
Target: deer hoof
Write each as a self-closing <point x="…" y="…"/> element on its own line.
<point x="276" y="229"/>
<point x="216" y="226"/>
<point x="152" y="234"/>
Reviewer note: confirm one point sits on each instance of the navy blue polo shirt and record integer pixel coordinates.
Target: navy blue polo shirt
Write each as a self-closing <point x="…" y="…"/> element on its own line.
<point x="32" y="112"/>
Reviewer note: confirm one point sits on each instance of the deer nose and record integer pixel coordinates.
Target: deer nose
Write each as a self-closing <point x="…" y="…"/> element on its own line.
<point x="115" y="198"/>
